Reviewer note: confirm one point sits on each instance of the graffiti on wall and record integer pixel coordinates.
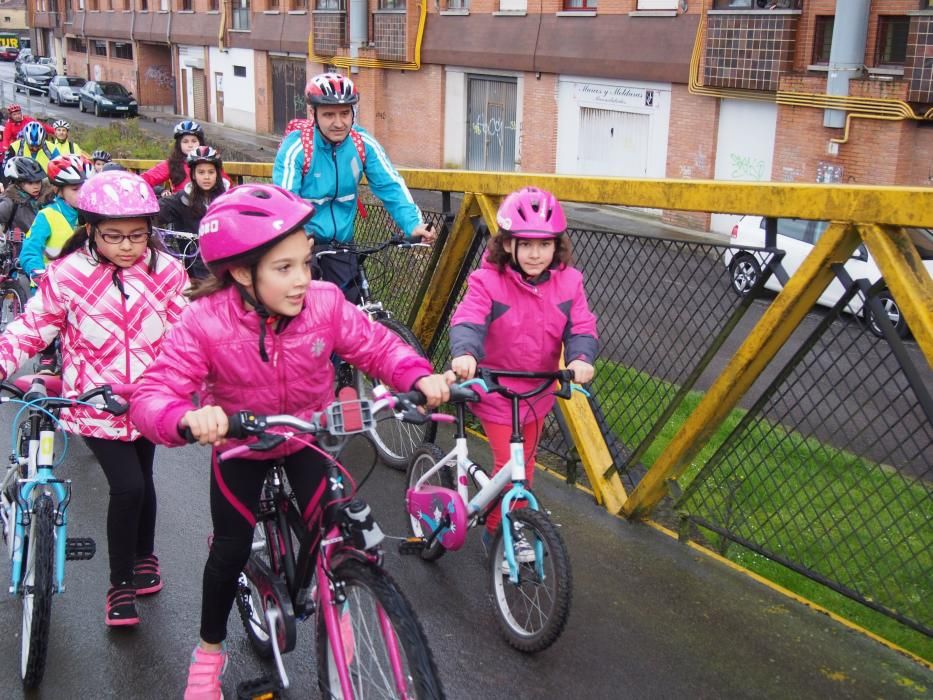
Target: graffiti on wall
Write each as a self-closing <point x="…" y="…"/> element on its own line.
<point x="161" y="76"/>
<point x="491" y="128"/>
<point x="747" y="167"/>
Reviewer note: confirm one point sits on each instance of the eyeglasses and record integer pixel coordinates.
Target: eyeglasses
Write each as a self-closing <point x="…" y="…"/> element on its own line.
<point x="118" y="238"/>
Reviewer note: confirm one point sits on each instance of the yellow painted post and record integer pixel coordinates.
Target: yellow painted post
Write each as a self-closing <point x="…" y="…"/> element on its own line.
<point x="445" y="274"/>
<point x="758" y="349"/>
<point x="594" y="453"/>
<point x="906" y="277"/>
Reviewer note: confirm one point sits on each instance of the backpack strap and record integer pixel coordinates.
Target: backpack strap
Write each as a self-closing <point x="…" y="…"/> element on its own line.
<point x="306" y="128"/>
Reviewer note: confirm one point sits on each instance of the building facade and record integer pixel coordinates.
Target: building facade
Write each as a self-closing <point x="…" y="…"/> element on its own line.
<point x="725" y="89"/>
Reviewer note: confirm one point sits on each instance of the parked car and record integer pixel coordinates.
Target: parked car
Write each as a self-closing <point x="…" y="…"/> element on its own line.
<point x="107" y="98"/>
<point x="24" y="56"/>
<point x="8" y="53"/>
<point x="64" y="89"/>
<point x="796" y="237"/>
<point x="33" y="78"/>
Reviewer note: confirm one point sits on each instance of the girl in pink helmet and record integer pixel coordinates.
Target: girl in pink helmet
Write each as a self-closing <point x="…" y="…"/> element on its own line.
<point x="111" y="295"/>
<point x="522" y="307"/>
<point x="262" y="333"/>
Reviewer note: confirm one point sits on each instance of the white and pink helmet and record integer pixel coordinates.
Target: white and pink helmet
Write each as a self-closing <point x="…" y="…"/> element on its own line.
<point x="116" y="195"/>
<point x="531" y="213"/>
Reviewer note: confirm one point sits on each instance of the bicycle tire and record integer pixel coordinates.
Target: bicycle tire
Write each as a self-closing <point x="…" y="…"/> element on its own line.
<point x="367" y="590"/>
<point x="394" y="440"/>
<point x="12" y="302"/>
<point x="519" y="608"/>
<point x="37" y="592"/>
<point x="424" y="458"/>
<point x="250" y="602"/>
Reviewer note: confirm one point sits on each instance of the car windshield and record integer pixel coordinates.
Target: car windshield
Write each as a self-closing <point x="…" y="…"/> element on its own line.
<point x="37" y="70"/>
<point x="72" y="82"/>
<point x="113" y="89"/>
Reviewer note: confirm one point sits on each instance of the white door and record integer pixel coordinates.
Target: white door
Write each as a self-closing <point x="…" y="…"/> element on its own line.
<point x="613" y="143"/>
<point x="745" y="148"/>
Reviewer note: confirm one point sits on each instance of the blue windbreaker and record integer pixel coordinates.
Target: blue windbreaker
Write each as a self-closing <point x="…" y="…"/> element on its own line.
<point x="332" y="182"/>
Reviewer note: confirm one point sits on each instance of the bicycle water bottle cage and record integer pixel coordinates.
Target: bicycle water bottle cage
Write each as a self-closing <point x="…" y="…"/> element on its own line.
<point x="442" y="513"/>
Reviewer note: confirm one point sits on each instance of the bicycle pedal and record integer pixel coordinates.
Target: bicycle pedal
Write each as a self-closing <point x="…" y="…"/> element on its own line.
<point x="80" y="548"/>
<point x="412" y="545"/>
<point x="265" y="688"/>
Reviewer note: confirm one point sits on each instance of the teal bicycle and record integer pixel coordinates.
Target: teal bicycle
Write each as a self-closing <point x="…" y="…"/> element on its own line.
<point x="34" y="505"/>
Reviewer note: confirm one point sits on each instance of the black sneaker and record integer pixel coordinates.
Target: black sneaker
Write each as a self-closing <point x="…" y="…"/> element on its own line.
<point x="147" y="578"/>
<point x="121" y="606"/>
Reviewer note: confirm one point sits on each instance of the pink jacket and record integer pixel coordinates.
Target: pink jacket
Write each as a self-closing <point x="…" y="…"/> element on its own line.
<point x="507" y="323"/>
<point x="158" y="174"/>
<point x="106" y="335"/>
<point x="216" y="343"/>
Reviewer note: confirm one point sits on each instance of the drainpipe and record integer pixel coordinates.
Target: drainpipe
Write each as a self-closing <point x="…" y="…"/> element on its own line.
<point x="359" y="29"/>
<point x="846" y="54"/>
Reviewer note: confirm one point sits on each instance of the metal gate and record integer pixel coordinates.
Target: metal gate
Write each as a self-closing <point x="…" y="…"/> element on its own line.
<point x="613" y="143"/>
<point x="288" y="92"/>
<point x="491" y="123"/>
<point x="199" y="92"/>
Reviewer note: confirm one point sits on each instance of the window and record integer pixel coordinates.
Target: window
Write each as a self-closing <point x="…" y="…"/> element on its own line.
<point x="110" y="5"/>
<point x="77" y="45"/>
<point x="213" y="6"/>
<point x="757" y="4"/>
<point x="241" y="14"/>
<point x="391" y="4"/>
<point x="329" y="5"/>
<point x="69" y="11"/>
<point x="658" y="4"/>
<point x="163" y="5"/>
<point x="100" y="48"/>
<point x="298" y="5"/>
<point x="272" y="5"/>
<point x="458" y="4"/>
<point x="239" y="71"/>
<point x="93" y="6"/>
<point x="822" y="38"/>
<point x="144" y="5"/>
<point x="892" y="40"/>
<point x="121" y="49"/>
<point x="81" y="5"/>
<point x="185" y="5"/>
<point x="572" y="5"/>
<point x="513" y="5"/>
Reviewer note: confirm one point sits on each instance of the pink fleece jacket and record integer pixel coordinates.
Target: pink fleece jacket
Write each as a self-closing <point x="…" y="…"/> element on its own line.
<point x="216" y="343"/>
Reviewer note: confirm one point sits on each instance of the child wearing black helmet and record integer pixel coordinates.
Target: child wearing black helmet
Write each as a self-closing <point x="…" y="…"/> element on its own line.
<point x="26" y="194"/>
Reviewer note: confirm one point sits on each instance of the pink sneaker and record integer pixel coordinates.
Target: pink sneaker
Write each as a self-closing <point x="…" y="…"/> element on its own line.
<point x="204" y="674"/>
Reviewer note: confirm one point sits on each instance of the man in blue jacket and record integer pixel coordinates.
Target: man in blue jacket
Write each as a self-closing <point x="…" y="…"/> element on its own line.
<point x="323" y="160"/>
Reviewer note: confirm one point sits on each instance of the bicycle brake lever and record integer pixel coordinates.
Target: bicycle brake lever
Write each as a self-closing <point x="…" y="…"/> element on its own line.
<point x="579" y="387"/>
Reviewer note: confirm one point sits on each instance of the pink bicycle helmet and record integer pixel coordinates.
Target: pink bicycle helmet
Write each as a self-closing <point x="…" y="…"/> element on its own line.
<point x="247" y="218"/>
<point x="531" y="213"/>
<point x="116" y="195"/>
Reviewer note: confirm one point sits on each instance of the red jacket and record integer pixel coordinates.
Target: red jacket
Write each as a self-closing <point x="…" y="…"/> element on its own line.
<point x="216" y="343"/>
<point x="507" y="323"/>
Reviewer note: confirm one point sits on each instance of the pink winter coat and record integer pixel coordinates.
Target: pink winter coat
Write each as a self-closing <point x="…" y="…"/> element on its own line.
<point x="507" y="323"/>
<point x="216" y="343"/>
<point x="106" y="335"/>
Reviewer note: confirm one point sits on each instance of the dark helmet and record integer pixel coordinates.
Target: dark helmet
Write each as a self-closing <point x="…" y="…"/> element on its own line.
<point x="189" y="127"/>
<point x="112" y="166"/>
<point x="23" y="169"/>
<point x="204" y="154"/>
<point x="101" y="155"/>
<point x="331" y="89"/>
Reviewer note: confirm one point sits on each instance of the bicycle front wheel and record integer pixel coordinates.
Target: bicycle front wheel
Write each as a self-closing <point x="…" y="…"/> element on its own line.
<point x="386" y="652"/>
<point x="394" y="440"/>
<point x="532" y="614"/>
<point x="12" y="302"/>
<point x="37" y="591"/>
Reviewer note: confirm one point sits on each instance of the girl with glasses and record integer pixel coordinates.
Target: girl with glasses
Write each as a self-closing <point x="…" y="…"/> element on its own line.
<point x="112" y="295"/>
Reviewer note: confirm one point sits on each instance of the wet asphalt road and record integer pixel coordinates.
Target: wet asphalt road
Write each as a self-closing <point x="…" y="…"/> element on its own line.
<point x="650" y="618"/>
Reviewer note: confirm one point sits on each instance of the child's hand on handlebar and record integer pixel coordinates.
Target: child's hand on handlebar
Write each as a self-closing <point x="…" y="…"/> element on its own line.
<point x="464" y="367"/>
<point x="436" y="388"/>
<point x="208" y="425"/>
<point x="582" y="371"/>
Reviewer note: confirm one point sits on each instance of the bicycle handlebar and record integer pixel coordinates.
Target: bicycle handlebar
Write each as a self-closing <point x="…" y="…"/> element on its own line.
<point x="107" y="393"/>
<point x="413" y="242"/>
<point x="563" y="376"/>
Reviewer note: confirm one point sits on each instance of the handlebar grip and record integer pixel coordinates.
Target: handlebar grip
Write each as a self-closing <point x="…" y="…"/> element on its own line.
<point x="235" y="425"/>
<point x="415" y="397"/>
<point x="459" y="394"/>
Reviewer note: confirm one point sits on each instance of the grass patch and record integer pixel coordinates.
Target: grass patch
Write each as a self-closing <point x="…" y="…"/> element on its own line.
<point x="783" y="489"/>
<point x="123" y="139"/>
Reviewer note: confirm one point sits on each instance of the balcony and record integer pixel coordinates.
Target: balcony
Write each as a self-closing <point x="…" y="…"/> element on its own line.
<point x="749" y="50"/>
<point x="329" y="31"/>
<point x="918" y="69"/>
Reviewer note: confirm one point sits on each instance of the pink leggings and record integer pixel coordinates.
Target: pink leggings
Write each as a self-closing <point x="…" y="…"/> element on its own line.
<point x="498" y="436"/>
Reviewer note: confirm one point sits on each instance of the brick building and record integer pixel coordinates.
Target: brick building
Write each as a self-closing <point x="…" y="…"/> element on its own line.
<point x="726" y="89"/>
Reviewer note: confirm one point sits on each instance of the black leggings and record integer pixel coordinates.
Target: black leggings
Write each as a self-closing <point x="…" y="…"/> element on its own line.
<point x="131" y="514"/>
<point x="236" y="486"/>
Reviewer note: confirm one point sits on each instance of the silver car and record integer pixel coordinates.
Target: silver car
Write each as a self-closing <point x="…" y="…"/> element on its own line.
<point x="64" y="89"/>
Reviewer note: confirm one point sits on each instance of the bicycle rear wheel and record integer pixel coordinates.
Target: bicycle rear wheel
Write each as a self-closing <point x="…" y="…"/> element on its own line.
<point x="533" y="613"/>
<point x="37" y="591"/>
<point x="394" y="440"/>
<point x="376" y="624"/>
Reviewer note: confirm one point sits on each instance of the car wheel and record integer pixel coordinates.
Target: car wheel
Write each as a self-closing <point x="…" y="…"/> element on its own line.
<point x="51" y="100"/>
<point x="97" y="112"/>
<point x="745" y="272"/>
<point x="893" y="313"/>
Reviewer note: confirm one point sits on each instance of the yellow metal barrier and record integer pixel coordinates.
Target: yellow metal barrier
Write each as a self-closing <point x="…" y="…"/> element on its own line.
<point x="859" y="213"/>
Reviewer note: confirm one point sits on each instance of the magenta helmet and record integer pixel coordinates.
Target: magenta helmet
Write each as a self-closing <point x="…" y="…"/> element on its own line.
<point x="116" y="195"/>
<point x="531" y="213"/>
<point x="247" y="218"/>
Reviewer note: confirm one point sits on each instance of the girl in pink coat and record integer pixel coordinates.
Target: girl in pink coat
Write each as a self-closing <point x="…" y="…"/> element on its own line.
<point x="522" y="307"/>
<point x="111" y="295"/>
<point x="259" y="335"/>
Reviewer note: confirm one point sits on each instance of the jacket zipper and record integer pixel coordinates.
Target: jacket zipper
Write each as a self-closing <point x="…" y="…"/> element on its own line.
<point x="333" y="217"/>
<point x="126" y="343"/>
